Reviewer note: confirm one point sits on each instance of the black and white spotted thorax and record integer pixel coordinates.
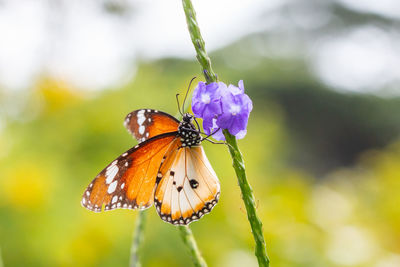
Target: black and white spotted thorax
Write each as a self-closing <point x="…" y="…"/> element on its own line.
<point x="190" y="135"/>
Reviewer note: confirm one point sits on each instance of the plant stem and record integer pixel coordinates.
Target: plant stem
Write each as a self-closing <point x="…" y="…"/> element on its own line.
<point x="198" y="42"/>
<point x="190" y="242"/>
<point x="238" y="162"/>
<point x="137" y="239"/>
<point x="248" y="199"/>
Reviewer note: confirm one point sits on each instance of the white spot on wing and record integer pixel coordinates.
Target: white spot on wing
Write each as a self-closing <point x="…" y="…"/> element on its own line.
<point x="122" y="185"/>
<point x="141" y="119"/>
<point x="114" y="199"/>
<point x="141" y="129"/>
<point x="111" y="187"/>
<point x="110" y="174"/>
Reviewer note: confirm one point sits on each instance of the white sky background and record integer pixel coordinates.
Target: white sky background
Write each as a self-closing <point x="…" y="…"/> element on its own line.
<point x="79" y="42"/>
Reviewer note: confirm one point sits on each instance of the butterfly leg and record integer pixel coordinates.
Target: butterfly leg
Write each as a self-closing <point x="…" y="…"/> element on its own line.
<point x="198" y="126"/>
<point x="215" y="143"/>
<point x="196" y="131"/>
<point x="218" y="143"/>
<point x="211" y="133"/>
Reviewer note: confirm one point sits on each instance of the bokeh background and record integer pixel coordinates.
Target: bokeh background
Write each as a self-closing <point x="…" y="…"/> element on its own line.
<point x="322" y="150"/>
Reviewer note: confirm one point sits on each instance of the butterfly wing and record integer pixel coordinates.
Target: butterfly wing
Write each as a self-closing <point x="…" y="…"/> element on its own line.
<point x="144" y="124"/>
<point x="188" y="188"/>
<point x="129" y="181"/>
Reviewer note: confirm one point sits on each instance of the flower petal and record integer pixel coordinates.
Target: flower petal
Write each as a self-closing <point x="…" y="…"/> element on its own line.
<point x="222" y="106"/>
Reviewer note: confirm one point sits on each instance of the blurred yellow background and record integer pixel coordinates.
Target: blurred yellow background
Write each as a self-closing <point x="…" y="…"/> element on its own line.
<point x="323" y="160"/>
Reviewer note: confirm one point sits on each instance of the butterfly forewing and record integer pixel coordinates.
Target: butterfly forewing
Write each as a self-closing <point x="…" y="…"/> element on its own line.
<point x="144" y="124"/>
<point x="129" y="181"/>
<point x="164" y="168"/>
<point x="189" y="187"/>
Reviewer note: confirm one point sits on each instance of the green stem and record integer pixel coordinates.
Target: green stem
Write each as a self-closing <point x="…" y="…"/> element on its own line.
<point x="198" y="42"/>
<point x="238" y="162"/>
<point x="137" y="239"/>
<point x="190" y="242"/>
<point x="248" y="199"/>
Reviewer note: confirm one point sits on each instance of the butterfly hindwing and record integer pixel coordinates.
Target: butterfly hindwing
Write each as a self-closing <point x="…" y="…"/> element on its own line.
<point x="189" y="187"/>
<point x="168" y="167"/>
<point x="129" y="181"/>
<point x="144" y="124"/>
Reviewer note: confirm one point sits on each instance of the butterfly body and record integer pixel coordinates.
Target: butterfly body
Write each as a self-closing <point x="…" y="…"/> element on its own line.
<point x="168" y="167"/>
<point x="190" y="136"/>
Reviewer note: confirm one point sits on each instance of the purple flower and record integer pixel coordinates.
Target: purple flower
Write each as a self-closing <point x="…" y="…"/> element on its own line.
<point x="236" y="90"/>
<point x="235" y="112"/>
<point x="222" y="107"/>
<point x="206" y="101"/>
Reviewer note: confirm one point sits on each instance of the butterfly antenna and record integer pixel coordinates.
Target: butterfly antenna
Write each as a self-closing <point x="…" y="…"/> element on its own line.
<point x="177" y="102"/>
<point x="187" y="92"/>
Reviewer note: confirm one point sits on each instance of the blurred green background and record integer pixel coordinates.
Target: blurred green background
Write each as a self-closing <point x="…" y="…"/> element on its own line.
<point x="324" y="164"/>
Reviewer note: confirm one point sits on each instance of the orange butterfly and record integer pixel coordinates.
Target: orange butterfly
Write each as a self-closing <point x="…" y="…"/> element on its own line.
<point x="167" y="167"/>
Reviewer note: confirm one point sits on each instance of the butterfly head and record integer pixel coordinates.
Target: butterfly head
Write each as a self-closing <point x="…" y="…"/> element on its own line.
<point x="188" y="118"/>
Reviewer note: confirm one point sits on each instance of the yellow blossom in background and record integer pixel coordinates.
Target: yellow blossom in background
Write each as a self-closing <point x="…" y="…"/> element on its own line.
<point x="56" y="94"/>
<point x="26" y="187"/>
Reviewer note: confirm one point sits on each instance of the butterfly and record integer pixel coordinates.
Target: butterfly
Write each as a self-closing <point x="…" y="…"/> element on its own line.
<point x="168" y="168"/>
